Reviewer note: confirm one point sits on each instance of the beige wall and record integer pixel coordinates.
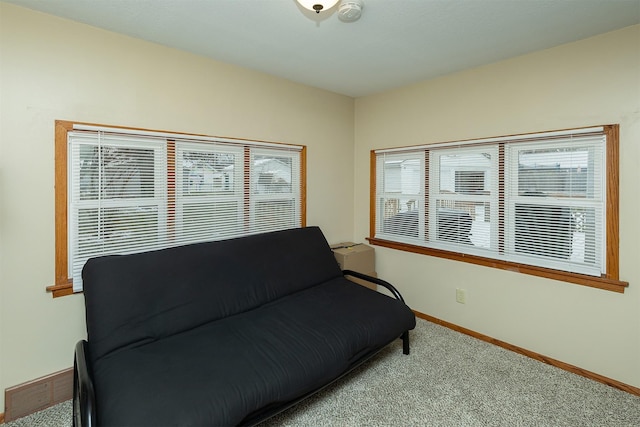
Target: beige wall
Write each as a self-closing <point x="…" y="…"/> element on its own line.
<point x="591" y="82"/>
<point x="56" y="69"/>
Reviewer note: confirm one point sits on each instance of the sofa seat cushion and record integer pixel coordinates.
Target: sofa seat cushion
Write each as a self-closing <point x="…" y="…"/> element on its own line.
<point x="223" y="371"/>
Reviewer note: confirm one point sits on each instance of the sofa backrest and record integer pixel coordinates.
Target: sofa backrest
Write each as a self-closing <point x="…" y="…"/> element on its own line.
<point x="132" y="299"/>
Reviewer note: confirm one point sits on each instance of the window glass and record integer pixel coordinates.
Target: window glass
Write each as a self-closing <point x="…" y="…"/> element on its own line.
<point x="111" y="172"/>
<point x="557" y="204"/>
<point x="272" y="174"/>
<point x="465" y="197"/>
<point x="206" y="173"/>
<point x="556" y="172"/>
<point x="401" y="195"/>
<point x="275" y="186"/>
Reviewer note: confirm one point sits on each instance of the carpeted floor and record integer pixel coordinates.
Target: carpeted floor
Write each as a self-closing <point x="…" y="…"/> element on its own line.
<point x="449" y="379"/>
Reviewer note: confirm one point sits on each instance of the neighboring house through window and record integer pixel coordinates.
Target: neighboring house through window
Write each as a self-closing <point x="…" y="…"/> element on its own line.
<point x="121" y="191"/>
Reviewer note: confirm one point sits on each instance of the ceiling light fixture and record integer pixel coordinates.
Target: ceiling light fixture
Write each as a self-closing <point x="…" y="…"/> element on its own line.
<point x="317" y="5"/>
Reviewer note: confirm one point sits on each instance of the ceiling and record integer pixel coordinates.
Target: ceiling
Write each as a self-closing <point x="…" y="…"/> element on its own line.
<point x="395" y="43"/>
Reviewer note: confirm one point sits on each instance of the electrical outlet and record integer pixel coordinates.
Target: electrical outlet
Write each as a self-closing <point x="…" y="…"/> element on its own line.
<point x="461" y="296"/>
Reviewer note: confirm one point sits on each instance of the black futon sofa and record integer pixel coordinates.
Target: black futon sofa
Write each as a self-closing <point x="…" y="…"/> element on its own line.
<point x="224" y="333"/>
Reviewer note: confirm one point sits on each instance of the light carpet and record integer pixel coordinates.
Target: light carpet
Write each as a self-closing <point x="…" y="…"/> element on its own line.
<point x="449" y="379"/>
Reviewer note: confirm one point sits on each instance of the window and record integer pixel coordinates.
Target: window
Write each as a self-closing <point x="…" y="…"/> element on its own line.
<point x="122" y="191"/>
<point x="542" y="204"/>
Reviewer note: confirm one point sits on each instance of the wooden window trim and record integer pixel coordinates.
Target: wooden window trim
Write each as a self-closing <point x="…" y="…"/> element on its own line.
<point x="609" y="281"/>
<point x="63" y="284"/>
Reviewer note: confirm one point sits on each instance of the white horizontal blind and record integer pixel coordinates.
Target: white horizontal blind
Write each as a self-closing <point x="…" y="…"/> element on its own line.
<point x="555" y="203"/>
<point x="463" y="199"/>
<point x="117" y="202"/>
<point x="400" y="207"/>
<point x="274" y="189"/>
<point x="532" y="199"/>
<point x="131" y="193"/>
<point x="209" y="192"/>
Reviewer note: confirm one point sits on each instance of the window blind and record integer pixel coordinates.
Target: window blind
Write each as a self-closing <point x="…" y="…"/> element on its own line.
<point x="463" y="183"/>
<point x="118" y="196"/>
<point x="274" y="189"/>
<point x="400" y="196"/>
<point x="136" y="192"/>
<point x="208" y="192"/>
<point x="531" y="199"/>
<point x="555" y="203"/>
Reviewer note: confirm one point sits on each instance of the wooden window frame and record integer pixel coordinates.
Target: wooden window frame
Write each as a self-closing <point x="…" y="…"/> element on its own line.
<point x="609" y="281"/>
<point x="63" y="283"/>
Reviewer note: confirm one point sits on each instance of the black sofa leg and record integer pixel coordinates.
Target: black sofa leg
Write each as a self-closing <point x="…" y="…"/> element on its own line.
<point x="405" y="342"/>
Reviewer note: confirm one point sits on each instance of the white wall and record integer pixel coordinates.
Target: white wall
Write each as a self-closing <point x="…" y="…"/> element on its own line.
<point x="591" y="82"/>
<point x="57" y="69"/>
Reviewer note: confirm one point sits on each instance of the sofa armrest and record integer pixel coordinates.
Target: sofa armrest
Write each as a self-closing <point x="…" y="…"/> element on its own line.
<point x="375" y="280"/>
<point x="392" y="289"/>
<point x="84" y="400"/>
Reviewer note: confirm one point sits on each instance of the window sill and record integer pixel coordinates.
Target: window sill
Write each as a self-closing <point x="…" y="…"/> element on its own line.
<point x="61" y="290"/>
<point x="605" y="283"/>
